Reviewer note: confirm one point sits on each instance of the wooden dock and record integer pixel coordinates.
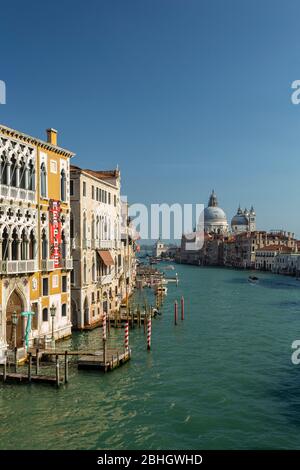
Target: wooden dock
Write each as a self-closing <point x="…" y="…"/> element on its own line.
<point x="113" y="358"/>
<point x="13" y="377"/>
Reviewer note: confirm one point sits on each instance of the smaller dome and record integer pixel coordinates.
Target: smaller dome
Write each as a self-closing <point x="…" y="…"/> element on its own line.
<point x="239" y="220"/>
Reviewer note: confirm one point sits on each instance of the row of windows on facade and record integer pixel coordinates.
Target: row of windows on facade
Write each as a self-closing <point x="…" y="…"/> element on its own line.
<point x="63" y="183"/>
<point x="97" y="194"/>
<point x="24" y="247"/>
<point x="45" y="285"/>
<point x="17" y="174"/>
<point x="100" y="269"/>
<point x="22" y="175"/>
<point x="45" y="312"/>
<point x="45" y="245"/>
<point x="93" y="297"/>
<point x="101" y="228"/>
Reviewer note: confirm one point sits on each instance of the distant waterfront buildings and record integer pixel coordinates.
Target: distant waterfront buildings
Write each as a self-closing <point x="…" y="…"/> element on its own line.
<point x="243" y="246"/>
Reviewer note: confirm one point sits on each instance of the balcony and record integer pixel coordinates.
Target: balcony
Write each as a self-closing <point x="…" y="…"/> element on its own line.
<point x="20" y="194"/>
<point x="19" y="267"/>
<point x="47" y="265"/>
<point x="67" y="263"/>
<point x="107" y="244"/>
<point x="105" y="280"/>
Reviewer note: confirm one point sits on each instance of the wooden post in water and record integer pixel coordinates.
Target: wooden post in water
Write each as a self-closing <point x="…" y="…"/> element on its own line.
<point x="57" y="370"/>
<point x="16" y="359"/>
<point x="4" y="370"/>
<point x="126" y="337"/>
<point x="108" y="324"/>
<point x="182" y="307"/>
<point x="29" y="366"/>
<point x="104" y="339"/>
<point x="144" y="321"/>
<point x="149" y="333"/>
<point x="175" y="312"/>
<point x="66" y="368"/>
<point x="37" y="361"/>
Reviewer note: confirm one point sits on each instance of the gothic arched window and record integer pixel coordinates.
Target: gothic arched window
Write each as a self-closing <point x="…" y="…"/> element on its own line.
<point x="63" y="185"/>
<point x="43" y="180"/>
<point x="44" y="245"/>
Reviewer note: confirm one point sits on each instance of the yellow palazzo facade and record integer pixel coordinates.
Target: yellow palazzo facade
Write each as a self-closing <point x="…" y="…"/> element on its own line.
<point x="35" y="259"/>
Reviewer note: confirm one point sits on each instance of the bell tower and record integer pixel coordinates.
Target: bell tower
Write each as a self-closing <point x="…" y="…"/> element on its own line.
<point x="252" y="220"/>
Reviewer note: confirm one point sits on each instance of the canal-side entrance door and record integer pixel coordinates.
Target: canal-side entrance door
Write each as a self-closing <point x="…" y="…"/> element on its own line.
<point x="14" y="304"/>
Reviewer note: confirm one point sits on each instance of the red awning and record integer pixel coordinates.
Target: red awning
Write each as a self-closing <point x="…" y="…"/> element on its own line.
<point x="106" y="257"/>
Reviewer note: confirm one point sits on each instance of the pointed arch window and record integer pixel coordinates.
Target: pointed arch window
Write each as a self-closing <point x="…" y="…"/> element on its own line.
<point x="32" y="245"/>
<point x="5" y="243"/>
<point x="24" y="244"/>
<point x="63" y="185"/>
<point x="14" y="245"/>
<point x="23" y="171"/>
<point x="13" y="170"/>
<point x="31" y="176"/>
<point x="84" y="227"/>
<point x="3" y="169"/>
<point x="43" y="180"/>
<point x="44" y="245"/>
<point x="71" y="226"/>
<point x="84" y="271"/>
<point x="63" y="245"/>
<point x="93" y="227"/>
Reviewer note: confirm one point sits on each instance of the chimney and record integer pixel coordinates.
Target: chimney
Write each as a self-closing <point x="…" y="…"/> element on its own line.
<point x="52" y="136"/>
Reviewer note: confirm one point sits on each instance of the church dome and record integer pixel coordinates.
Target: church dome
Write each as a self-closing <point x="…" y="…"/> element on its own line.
<point x="214" y="217"/>
<point x="239" y="220"/>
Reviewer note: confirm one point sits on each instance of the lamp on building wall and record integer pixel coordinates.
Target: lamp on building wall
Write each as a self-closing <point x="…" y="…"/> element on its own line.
<point x="52" y="313"/>
<point x="14" y="320"/>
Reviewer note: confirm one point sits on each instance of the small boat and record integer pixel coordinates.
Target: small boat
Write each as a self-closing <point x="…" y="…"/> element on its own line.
<point x="253" y="279"/>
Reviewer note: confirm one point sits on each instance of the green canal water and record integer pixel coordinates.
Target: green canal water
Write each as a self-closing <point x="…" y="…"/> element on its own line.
<point x="222" y="379"/>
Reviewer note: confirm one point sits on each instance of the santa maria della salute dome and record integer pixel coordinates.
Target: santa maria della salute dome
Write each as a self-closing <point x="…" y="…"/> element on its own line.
<point x="215" y="220"/>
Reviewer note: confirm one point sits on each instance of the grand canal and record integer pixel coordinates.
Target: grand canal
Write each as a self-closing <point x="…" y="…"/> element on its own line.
<point x="221" y="379"/>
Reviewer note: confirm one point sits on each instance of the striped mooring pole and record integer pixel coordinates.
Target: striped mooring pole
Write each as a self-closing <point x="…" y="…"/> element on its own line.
<point x="175" y="311"/>
<point x="182" y="307"/>
<point x="149" y="333"/>
<point x="126" y="336"/>
<point x="104" y="339"/>
<point x="104" y="325"/>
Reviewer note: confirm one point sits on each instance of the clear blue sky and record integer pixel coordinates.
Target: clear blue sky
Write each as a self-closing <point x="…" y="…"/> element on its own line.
<point x="185" y="95"/>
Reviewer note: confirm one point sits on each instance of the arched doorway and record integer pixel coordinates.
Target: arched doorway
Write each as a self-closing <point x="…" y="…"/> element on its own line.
<point x="86" y="312"/>
<point x="14" y="304"/>
<point x="74" y="315"/>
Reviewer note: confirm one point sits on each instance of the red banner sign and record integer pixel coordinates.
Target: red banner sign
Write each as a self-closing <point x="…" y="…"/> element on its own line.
<point x="55" y="232"/>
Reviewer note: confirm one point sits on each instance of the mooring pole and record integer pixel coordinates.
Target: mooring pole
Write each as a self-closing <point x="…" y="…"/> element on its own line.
<point x="175" y="312"/>
<point x="16" y="360"/>
<point x="66" y="368"/>
<point x="182" y="307"/>
<point x="104" y="339"/>
<point x="4" y="370"/>
<point x="149" y="334"/>
<point x="37" y="362"/>
<point x="29" y="367"/>
<point x="57" y="370"/>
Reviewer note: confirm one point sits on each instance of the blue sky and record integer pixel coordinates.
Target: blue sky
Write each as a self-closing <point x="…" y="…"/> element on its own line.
<point x="185" y="95"/>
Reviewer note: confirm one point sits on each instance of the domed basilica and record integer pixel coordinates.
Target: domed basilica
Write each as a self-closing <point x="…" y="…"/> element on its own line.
<point x="215" y="220"/>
